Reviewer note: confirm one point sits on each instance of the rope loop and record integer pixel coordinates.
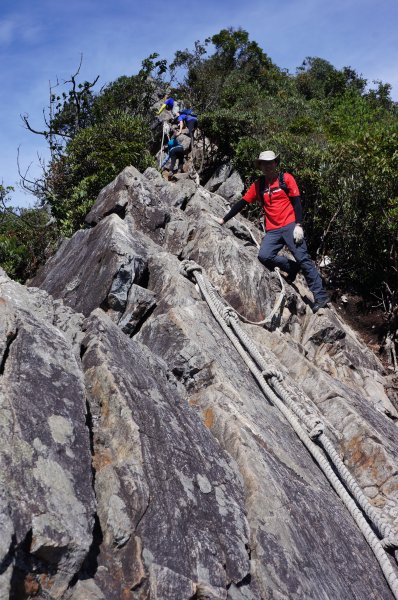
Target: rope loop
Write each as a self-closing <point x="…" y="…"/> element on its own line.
<point x="229" y="315"/>
<point x="272" y="372"/>
<point x="188" y="267"/>
<point x="326" y="457"/>
<point x="316" y="428"/>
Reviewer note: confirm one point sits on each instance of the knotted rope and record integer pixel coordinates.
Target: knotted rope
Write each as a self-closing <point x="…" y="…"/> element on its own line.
<point x="278" y="306"/>
<point x="270" y="381"/>
<point x="165" y="129"/>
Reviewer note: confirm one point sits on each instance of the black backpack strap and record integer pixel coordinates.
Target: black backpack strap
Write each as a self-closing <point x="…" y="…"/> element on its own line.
<point x="282" y="183"/>
<point x="261" y="187"/>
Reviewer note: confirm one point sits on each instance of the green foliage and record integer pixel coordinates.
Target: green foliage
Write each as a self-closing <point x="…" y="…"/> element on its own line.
<point x="72" y="109"/>
<point x="133" y="95"/>
<point x="226" y="127"/>
<point x="317" y="78"/>
<point x="208" y="76"/>
<point x="93" y="158"/>
<point x="337" y="137"/>
<point x="26" y="238"/>
<point x="234" y="51"/>
<point x="353" y="115"/>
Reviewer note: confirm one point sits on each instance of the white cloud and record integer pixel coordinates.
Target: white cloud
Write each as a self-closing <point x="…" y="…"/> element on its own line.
<point x="18" y="29"/>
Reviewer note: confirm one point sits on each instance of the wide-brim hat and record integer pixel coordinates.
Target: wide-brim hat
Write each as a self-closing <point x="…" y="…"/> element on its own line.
<point x="266" y="156"/>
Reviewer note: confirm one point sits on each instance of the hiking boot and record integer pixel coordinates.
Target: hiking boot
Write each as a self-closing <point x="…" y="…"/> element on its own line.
<point x="320" y="304"/>
<point x="290" y="277"/>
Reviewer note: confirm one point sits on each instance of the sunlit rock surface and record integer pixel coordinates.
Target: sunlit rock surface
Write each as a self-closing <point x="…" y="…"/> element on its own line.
<point x="140" y="459"/>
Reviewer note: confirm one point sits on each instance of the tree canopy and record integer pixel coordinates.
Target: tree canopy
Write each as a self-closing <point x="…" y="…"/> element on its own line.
<point x="336" y="132"/>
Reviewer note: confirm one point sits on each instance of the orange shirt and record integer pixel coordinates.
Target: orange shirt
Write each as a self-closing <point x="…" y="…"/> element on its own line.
<point x="278" y="210"/>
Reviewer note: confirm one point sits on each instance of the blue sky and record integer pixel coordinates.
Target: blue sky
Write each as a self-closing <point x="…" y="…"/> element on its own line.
<point x="42" y="41"/>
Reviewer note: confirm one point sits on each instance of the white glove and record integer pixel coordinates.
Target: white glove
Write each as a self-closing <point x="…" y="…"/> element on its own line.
<point x="298" y="234"/>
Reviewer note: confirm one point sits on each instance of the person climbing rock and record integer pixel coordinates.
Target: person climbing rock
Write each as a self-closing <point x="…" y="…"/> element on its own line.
<point x="175" y="151"/>
<point x="168" y="103"/>
<point x="283" y="224"/>
<point x="187" y="118"/>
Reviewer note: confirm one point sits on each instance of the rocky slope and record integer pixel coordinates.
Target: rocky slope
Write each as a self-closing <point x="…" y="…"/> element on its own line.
<point x="140" y="458"/>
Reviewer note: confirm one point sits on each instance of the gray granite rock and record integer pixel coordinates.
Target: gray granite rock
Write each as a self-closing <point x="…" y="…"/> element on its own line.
<point x="220" y="175"/>
<point x="202" y="488"/>
<point x="87" y="273"/>
<point x="47" y="499"/>
<point x="226" y="182"/>
<point x="167" y="495"/>
<point x="232" y="188"/>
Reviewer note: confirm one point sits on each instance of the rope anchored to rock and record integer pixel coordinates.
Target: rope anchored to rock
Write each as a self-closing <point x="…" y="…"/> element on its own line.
<point x="311" y="434"/>
<point x="231" y="313"/>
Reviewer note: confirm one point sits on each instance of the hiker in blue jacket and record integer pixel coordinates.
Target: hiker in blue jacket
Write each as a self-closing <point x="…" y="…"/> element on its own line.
<point x="188" y="119"/>
<point x="175" y="152"/>
<point x="168" y="103"/>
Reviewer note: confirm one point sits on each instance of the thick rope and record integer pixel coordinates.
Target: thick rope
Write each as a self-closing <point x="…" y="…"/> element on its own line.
<point x="166" y="129"/>
<point x="276" y="309"/>
<point x="161" y="147"/>
<point x="278" y="306"/>
<point x="317" y="433"/>
<point x="229" y="323"/>
<point x="251" y="234"/>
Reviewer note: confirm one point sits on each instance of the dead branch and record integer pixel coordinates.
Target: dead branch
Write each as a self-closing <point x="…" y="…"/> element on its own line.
<point x="30" y="128"/>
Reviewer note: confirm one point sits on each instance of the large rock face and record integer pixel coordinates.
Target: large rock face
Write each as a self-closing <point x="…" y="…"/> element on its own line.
<point x="47" y="497"/>
<point x="141" y="459"/>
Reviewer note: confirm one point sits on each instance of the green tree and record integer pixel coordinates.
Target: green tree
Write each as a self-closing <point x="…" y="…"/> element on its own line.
<point x="337" y="137"/>
<point x="27" y="237"/>
<point x="317" y="78"/>
<point x="134" y="95"/>
<point x="92" y="159"/>
<point x="206" y="75"/>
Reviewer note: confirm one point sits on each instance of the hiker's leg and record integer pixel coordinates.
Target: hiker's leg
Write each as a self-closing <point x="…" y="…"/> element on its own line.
<point x="307" y="265"/>
<point x="181" y="161"/>
<point x="191" y="129"/>
<point x="173" y="156"/>
<point x="268" y="253"/>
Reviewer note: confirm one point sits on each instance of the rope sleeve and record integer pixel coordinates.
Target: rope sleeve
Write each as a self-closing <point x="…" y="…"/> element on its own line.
<point x="237" y="207"/>
<point x="271" y="383"/>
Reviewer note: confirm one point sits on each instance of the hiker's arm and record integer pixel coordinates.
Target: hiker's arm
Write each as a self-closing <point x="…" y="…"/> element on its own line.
<point x="298" y="208"/>
<point x="236" y="208"/>
<point x="161" y="109"/>
<point x="181" y="123"/>
<point x="294" y="197"/>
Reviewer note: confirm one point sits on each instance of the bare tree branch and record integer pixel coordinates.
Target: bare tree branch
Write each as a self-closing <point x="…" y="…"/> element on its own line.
<point x="30" y="128"/>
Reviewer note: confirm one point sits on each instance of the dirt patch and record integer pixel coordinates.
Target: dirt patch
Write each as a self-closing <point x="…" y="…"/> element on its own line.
<point x="371" y="325"/>
<point x="367" y="321"/>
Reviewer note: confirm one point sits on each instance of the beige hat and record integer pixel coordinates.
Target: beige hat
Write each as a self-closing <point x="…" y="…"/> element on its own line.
<point x="266" y="156"/>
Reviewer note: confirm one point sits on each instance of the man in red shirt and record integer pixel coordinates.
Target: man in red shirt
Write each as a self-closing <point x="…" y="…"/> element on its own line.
<point x="283" y="217"/>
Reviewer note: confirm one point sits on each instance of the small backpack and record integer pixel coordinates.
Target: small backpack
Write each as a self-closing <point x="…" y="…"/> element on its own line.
<point x="173" y="143"/>
<point x="188" y="112"/>
<point x="282" y="185"/>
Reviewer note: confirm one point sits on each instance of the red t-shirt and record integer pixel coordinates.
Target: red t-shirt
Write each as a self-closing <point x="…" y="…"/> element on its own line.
<point x="278" y="210"/>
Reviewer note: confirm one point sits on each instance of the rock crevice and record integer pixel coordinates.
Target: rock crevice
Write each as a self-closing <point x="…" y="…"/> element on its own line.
<point x="140" y="458"/>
